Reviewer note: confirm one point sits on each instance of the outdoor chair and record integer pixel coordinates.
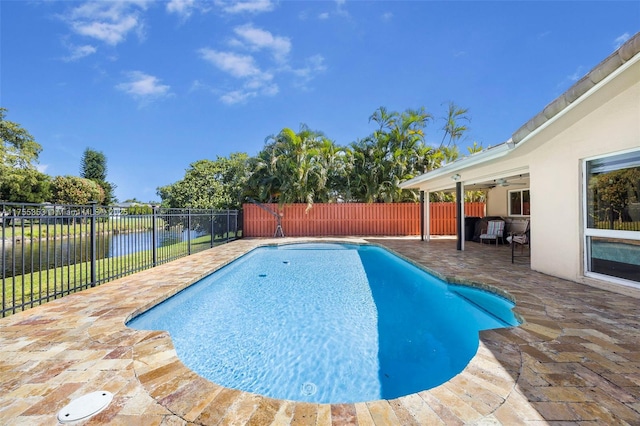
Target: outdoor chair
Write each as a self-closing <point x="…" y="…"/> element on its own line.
<point x="494" y="231"/>
<point x="519" y="236"/>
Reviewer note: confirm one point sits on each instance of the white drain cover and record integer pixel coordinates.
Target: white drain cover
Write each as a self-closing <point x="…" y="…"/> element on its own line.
<point x="85" y="406"/>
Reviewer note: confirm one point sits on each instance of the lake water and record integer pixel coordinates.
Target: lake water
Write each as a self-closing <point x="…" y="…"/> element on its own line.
<point x="43" y="254"/>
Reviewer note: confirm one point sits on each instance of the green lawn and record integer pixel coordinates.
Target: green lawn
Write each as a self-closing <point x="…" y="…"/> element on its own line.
<point x="55" y="282"/>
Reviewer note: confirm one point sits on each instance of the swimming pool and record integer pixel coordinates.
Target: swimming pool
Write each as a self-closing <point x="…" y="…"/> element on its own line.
<point x="326" y="323"/>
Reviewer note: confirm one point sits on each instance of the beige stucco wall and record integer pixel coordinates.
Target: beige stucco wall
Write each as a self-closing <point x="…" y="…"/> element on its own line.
<point x="606" y="122"/>
<point x="497" y="202"/>
<point x="498" y="197"/>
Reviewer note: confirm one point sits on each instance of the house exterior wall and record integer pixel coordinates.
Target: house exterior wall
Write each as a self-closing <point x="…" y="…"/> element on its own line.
<point x="497" y="202"/>
<point x="606" y="122"/>
<point x="602" y="122"/>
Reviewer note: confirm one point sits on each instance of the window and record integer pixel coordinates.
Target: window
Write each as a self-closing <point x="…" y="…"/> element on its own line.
<point x="519" y="203"/>
<point x="612" y="222"/>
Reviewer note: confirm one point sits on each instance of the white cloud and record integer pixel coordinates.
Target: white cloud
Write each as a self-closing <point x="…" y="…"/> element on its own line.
<point x="182" y="8"/>
<point x="248" y="92"/>
<point x="387" y="16"/>
<point x="270" y="90"/>
<point x="107" y="21"/>
<point x="255" y="82"/>
<point x="255" y="58"/>
<point x="79" y="52"/>
<point x="198" y="85"/>
<point x="236" y="97"/>
<point x="246" y="6"/>
<point x="314" y="65"/>
<point x="239" y="66"/>
<point x="340" y="8"/>
<point x="258" y="39"/>
<point x="143" y="86"/>
<point x="111" y="33"/>
<point x="619" y="41"/>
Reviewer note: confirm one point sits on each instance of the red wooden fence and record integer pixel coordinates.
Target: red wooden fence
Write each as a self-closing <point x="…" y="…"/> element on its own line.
<point x="353" y="219"/>
<point x="443" y="216"/>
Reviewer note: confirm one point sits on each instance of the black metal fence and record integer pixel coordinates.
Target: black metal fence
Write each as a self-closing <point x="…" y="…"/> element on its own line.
<point x="49" y="251"/>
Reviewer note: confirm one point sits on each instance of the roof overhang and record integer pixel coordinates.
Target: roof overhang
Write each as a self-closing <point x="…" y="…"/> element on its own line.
<point x="488" y="154"/>
<point x="607" y="70"/>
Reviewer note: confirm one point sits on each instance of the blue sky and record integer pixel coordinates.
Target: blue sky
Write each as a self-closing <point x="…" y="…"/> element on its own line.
<point x="157" y="85"/>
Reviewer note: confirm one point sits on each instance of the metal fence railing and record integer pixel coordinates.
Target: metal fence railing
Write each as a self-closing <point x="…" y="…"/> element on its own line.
<point x="49" y="251"/>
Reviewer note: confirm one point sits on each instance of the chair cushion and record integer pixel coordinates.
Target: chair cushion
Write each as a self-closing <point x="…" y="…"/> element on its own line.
<point x="520" y="239"/>
<point x="495" y="227"/>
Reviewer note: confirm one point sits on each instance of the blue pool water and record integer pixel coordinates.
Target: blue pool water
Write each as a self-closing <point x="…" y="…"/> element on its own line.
<point x="326" y="323"/>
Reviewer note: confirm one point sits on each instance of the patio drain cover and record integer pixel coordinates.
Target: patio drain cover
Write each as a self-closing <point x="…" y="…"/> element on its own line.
<point x="85" y="406"/>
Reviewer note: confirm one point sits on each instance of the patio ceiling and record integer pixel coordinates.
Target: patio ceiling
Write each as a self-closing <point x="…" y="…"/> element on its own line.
<point x="505" y="179"/>
<point x="512" y="182"/>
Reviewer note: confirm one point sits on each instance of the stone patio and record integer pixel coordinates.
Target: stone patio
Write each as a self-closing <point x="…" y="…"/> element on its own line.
<point x="575" y="360"/>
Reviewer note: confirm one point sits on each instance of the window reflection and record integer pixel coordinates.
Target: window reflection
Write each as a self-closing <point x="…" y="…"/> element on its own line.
<point x="519" y="203"/>
<point x="613" y="192"/>
<point x="515" y="203"/>
<point x="613" y="212"/>
<point x="617" y="258"/>
<point x="526" y="203"/>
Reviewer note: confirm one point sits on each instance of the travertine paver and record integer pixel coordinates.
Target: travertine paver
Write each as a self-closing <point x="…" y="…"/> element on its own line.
<point x="575" y="360"/>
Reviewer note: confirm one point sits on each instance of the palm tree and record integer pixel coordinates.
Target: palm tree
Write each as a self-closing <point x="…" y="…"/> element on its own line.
<point x="296" y="167"/>
<point x="389" y="155"/>
<point x="307" y="167"/>
<point x="452" y="127"/>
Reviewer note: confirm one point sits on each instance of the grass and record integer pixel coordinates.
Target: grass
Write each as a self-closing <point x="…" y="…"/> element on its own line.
<point x="39" y="287"/>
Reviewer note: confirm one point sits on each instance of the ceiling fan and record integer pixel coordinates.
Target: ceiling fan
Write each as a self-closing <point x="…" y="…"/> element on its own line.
<point x="505" y="182"/>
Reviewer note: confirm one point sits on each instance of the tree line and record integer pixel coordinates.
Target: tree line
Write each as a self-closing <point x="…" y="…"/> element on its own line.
<point x="22" y="182"/>
<point x="307" y="167"/>
<point x="302" y="166"/>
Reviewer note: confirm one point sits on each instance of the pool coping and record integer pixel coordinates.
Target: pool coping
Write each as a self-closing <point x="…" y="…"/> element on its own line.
<point x="149" y="381"/>
<point x="154" y="367"/>
<point x="156" y="364"/>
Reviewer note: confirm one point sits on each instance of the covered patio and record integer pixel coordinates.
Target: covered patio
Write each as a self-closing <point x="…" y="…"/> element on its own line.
<point x="572" y="172"/>
<point x="575" y="359"/>
<point x="506" y="191"/>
